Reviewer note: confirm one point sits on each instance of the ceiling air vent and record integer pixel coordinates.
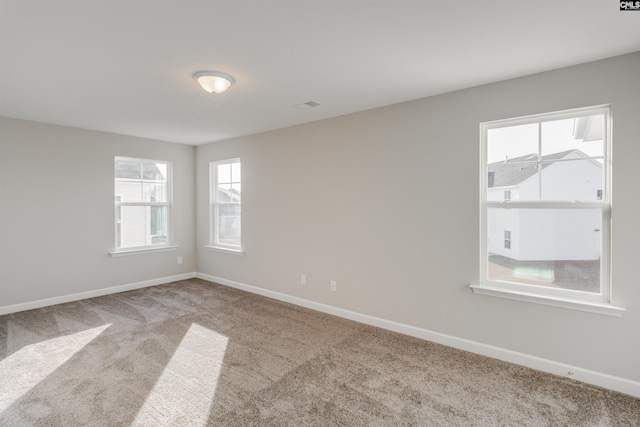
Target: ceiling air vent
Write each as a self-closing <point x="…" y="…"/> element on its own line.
<point x="308" y="104"/>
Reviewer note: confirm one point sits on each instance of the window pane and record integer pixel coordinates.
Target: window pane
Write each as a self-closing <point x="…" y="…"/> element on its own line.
<point x="224" y="173"/>
<point x="558" y="248"/>
<point x="128" y="169"/>
<point x="154" y="193"/>
<point x="572" y="180"/>
<point x="513" y="143"/>
<point x="155" y="171"/>
<point x="583" y="133"/>
<point x="158" y="224"/>
<point x="229" y="225"/>
<point x="235" y="172"/>
<point x="236" y="191"/>
<point x="141" y="181"/>
<point x="142" y="226"/>
<point x="118" y="235"/>
<point x="129" y="190"/>
<point x="223" y="194"/>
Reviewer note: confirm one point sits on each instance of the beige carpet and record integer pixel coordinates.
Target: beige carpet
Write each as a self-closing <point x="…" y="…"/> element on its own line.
<point x="193" y="353"/>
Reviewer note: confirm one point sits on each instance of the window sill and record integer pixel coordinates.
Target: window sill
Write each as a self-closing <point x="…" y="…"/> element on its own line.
<point x="225" y="250"/>
<point x="139" y="251"/>
<point x="593" y="307"/>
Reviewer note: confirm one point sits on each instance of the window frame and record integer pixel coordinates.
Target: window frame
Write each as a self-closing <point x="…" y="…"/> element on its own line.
<point x="214" y="206"/>
<point x="168" y="203"/>
<point x="581" y="300"/>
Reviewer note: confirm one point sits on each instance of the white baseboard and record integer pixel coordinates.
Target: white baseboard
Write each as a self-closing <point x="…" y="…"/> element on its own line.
<point x="579" y="374"/>
<point x="91" y="294"/>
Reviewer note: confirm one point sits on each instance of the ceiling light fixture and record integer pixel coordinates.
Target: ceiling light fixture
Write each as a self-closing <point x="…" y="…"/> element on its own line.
<point x="214" y="81"/>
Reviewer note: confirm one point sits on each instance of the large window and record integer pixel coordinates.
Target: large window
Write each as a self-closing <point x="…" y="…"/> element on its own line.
<point x="545" y="206"/>
<point x="142" y="203"/>
<point x="226" y="189"/>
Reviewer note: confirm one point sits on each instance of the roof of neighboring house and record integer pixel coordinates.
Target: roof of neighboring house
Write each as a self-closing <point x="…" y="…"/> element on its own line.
<point x="130" y="169"/>
<point x="513" y="171"/>
<point x="233" y="195"/>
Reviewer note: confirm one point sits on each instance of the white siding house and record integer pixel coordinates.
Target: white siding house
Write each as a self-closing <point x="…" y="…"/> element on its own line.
<point x="538" y="234"/>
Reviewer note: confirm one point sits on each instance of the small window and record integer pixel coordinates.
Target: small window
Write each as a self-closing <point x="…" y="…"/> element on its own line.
<point x="559" y="166"/>
<point x="142" y="205"/>
<point x="226" y="198"/>
<point x="507" y="239"/>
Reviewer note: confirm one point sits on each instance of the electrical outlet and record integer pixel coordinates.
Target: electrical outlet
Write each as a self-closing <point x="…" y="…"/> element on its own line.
<point x="334" y="286"/>
<point x="303" y="279"/>
<point x="179" y="260"/>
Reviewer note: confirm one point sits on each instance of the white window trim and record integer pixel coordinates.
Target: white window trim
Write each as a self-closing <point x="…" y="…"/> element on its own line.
<point x="213" y="211"/>
<point x="584" y="301"/>
<point x="142" y="250"/>
<point x="225" y="250"/>
<point x="554" y="301"/>
<point x="168" y="246"/>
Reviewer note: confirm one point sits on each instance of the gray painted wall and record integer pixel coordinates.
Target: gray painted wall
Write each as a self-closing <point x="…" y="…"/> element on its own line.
<point x="386" y="203"/>
<point x="57" y="215"/>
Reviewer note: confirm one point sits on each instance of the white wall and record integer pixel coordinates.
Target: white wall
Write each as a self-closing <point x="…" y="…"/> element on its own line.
<point x="386" y="203"/>
<point x="57" y="213"/>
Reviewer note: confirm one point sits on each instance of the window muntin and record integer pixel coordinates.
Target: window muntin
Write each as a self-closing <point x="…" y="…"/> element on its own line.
<point x="556" y="167"/>
<point x="226" y="198"/>
<point x="142" y="203"/>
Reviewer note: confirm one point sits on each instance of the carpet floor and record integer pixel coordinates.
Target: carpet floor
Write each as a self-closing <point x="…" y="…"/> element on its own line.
<point x="194" y="353"/>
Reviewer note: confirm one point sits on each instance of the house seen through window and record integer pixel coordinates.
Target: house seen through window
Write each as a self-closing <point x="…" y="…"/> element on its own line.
<point x="557" y="207"/>
<point x="142" y="205"/>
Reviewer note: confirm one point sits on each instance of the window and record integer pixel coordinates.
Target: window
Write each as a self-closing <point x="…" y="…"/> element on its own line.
<point x="552" y="241"/>
<point x="226" y="189"/>
<point x="507" y="239"/>
<point x="142" y="203"/>
<point x="118" y="221"/>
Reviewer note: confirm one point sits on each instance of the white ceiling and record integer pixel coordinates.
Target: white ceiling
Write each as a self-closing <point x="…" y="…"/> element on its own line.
<point x="126" y="66"/>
